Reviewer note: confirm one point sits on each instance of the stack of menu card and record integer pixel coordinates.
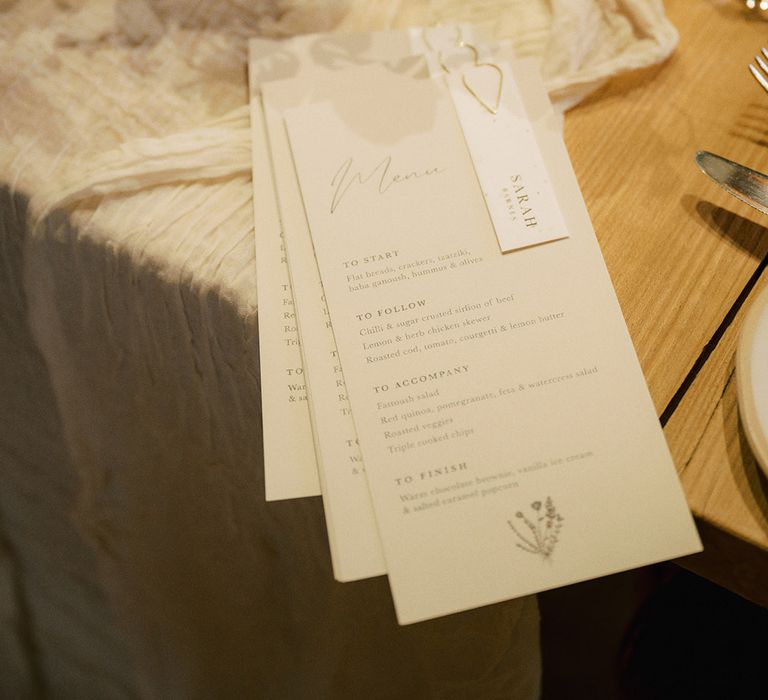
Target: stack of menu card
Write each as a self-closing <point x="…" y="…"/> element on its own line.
<point x="443" y="356"/>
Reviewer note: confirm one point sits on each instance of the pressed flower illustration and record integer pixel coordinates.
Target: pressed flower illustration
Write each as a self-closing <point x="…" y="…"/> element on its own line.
<point x="538" y="532"/>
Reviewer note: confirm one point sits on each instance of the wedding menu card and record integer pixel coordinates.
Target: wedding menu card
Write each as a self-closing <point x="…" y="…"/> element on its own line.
<point x="289" y="465"/>
<point x="353" y="535"/>
<point x="509" y="441"/>
<point x="291" y="469"/>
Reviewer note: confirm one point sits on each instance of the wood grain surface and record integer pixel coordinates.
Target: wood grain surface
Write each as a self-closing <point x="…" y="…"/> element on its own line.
<point x="686" y="258"/>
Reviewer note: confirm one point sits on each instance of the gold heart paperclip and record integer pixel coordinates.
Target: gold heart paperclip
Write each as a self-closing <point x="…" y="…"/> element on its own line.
<point x="479" y="66"/>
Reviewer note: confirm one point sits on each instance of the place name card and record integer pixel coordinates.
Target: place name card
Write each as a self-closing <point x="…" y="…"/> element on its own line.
<point x="508" y="163"/>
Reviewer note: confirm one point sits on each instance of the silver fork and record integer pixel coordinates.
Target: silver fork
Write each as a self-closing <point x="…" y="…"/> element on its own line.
<point x="761" y="72"/>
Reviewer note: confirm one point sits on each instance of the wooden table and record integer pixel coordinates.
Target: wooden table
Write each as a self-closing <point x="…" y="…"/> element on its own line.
<point x="687" y="259"/>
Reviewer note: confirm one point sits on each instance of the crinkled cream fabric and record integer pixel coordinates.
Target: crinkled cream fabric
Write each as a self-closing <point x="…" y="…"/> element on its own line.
<point x="137" y="555"/>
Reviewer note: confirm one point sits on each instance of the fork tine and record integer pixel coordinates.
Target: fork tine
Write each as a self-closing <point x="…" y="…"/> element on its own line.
<point x="760" y="77"/>
<point x="764" y="51"/>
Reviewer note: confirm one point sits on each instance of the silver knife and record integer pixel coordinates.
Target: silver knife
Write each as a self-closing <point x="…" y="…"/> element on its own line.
<point x="749" y="186"/>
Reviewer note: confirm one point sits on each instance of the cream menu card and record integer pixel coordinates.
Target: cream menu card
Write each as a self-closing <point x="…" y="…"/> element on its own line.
<point x="509" y="440"/>
<point x="352" y="532"/>
<point x="290" y="464"/>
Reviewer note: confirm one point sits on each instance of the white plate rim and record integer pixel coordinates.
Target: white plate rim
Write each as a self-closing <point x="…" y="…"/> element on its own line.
<point x="757" y="439"/>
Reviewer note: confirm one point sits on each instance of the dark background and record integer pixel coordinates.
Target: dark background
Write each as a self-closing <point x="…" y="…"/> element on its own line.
<point x="655" y="632"/>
